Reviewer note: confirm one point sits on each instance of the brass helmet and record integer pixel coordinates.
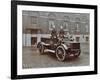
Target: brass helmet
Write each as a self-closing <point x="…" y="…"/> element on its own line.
<point x="61" y="27"/>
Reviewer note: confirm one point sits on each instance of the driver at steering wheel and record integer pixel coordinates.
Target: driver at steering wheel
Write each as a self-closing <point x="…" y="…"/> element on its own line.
<point x="61" y="34"/>
<point x="53" y="33"/>
<point x="53" y="36"/>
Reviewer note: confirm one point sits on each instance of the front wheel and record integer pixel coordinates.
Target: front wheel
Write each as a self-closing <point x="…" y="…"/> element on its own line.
<point x="60" y="53"/>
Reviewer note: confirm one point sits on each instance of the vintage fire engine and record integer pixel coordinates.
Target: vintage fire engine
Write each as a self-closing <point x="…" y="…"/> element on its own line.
<point x="62" y="48"/>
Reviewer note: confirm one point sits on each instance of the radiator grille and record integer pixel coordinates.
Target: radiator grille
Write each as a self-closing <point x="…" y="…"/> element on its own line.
<point x="75" y="45"/>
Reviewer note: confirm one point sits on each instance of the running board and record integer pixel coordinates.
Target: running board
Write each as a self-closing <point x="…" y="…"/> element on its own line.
<point x="49" y="50"/>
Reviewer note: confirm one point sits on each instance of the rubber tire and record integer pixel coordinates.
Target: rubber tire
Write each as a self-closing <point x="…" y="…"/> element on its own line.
<point x="61" y="48"/>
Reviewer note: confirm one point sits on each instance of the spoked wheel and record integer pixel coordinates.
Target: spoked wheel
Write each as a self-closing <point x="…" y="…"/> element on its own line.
<point x="60" y="53"/>
<point x="77" y="53"/>
<point x="41" y="49"/>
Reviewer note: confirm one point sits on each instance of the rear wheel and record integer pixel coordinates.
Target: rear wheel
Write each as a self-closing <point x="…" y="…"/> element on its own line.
<point x="41" y="49"/>
<point x="60" y="53"/>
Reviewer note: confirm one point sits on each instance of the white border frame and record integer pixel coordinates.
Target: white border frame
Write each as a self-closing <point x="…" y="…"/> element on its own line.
<point x="21" y="71"/>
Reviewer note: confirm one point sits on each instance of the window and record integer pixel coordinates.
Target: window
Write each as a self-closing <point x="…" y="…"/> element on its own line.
<point x="77" y="39"/>
<point x="87" y="28"/>
<point x="33" y="20"/>
<point x="66" y="18"/>
<point x="66" y="23"/>
<point x="77" y="24"/>
<point x="77" y="27"/>
<point x="51" y="24"/>
<point x="87" y="38"/>
<point x="51" y="21"/>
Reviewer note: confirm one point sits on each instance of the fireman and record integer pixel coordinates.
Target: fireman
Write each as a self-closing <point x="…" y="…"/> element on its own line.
<point x="61" y="35"/>
<point x="61" y="32"/>
<point x="53" y="37"/>
<point x="53" y="33"/>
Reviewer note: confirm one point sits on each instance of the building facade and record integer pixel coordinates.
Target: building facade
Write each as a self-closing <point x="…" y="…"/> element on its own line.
<point x="38" y="25"/>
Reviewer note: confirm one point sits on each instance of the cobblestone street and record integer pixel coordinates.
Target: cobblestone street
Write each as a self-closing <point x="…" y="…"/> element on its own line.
<point x="32" y="59"/>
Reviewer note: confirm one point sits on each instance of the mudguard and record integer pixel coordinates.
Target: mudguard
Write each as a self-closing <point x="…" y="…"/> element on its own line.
<point x="42" y="43"/>
<point x="65" y="46"/>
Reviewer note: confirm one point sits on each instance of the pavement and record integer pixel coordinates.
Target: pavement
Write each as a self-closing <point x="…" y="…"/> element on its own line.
<point x="31" y="58"/>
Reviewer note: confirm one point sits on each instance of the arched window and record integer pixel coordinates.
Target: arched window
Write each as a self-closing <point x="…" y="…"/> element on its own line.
<point x="66" y="23"/>
<point x="33" y="19"/>
<point x="51" y="20"/>
<point x="77" y="23"/>
<point x="86" y="23"/>
<point x="87" y="28"/>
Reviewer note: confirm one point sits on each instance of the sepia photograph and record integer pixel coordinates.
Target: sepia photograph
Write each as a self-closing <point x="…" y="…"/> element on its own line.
<point x="55" y="39"/>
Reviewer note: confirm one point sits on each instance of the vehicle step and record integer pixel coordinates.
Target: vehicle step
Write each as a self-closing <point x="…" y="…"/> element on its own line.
<point x="49" y="50"/>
